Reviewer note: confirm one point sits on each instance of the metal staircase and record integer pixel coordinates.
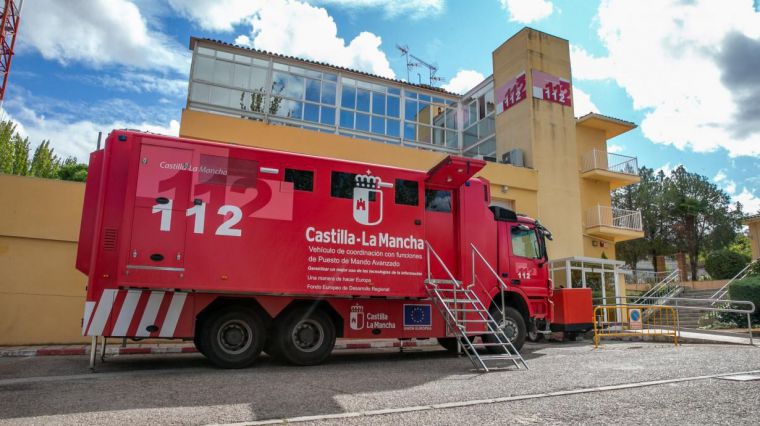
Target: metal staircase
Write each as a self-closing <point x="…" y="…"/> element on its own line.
<point x="460" y="307"/>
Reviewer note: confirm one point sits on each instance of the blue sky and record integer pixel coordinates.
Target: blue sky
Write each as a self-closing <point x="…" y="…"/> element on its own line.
<point x="684" y="70"/>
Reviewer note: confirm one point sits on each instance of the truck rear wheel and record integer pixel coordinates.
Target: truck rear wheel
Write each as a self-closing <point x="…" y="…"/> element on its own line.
<point x="303" y="336"/>
<point x="232" y="338"/>
<point x="513" y="326"/>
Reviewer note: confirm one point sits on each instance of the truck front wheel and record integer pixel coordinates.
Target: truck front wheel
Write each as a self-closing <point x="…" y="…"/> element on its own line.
<point x="232" y="338"/>
<point x="513" y="326"/>
<point x="303" y="336"/>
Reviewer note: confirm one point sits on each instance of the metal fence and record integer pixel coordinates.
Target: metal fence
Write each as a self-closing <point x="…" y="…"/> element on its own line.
<point x="686" y="304"/>
<point x="596" y="159"/>
<point x="614" y="217"/>
<point x="621" y="320"/>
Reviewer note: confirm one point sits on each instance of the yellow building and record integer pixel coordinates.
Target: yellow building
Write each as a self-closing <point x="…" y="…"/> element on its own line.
<point x="542" y="161"/>
<point x="753" y="223"/>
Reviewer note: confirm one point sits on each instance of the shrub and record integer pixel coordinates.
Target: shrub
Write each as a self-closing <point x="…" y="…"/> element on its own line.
<point x="724" y="264"/>
<point x="747" y="289"/>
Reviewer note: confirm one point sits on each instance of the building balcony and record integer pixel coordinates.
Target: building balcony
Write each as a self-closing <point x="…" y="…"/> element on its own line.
<point x="614" y="224"/>
<point x="618" y="170"/>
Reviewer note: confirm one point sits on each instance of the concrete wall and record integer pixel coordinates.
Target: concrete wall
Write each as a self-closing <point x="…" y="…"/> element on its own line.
<point x="754" y="237"/>
<point x="545" y="131"/>
<point x="41" y="293"/>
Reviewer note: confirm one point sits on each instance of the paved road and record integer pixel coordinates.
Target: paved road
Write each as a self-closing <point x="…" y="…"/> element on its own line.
<point x="185" y="389"/>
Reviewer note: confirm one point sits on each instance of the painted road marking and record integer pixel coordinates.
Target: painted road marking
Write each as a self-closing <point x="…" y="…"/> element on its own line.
<point x="468" y="403"/>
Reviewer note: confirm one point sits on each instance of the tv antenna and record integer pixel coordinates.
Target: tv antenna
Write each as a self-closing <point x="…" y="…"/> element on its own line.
<point x="413" y="62"/>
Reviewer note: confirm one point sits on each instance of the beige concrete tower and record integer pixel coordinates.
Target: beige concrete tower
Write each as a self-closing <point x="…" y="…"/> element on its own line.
<point x="545" y="131"/>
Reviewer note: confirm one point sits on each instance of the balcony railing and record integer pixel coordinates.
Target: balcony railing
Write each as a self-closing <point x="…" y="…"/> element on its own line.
<point x="616" y="163"/>
<point x="614" y="218"/>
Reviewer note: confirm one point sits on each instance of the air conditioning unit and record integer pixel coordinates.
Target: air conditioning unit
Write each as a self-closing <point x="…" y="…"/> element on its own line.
<point x="513" y="157"/>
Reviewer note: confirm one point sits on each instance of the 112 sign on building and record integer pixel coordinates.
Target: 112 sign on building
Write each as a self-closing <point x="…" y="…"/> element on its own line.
<point x="551" y="88"/>
<point x="511" y="93"/>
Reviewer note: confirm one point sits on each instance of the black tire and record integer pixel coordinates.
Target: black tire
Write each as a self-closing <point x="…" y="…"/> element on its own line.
<point x="515" y="330"/>
<point x="533" y="334"/>
<point x="448" y="343"/>
<point x="232" y="338"/>
<point x="303" y="336"/>
<point x="199" y="343"/>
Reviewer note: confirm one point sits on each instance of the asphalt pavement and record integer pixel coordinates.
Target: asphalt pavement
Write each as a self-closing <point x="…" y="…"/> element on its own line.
<point x="622" y="383"/>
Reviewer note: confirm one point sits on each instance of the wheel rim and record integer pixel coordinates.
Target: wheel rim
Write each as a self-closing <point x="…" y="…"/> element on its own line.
<point x="234" y="337"/>
<point x="308" y="335"/>
<point x="509" y="327"/>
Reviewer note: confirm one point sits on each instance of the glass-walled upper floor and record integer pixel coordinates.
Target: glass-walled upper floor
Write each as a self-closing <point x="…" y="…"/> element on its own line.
<point x="263" y="87"/>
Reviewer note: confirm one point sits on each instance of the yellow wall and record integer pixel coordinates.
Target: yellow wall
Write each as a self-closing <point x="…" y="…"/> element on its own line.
<point x="593" y="192"/>
<point x="42" y="294"/>
<point x="521" y="183"/>
<point x="754" y="237"/>
<point x="545" y="131"/>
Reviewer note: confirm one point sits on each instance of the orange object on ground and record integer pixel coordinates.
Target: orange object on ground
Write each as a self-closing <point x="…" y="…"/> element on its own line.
<point x="573" y="310"/>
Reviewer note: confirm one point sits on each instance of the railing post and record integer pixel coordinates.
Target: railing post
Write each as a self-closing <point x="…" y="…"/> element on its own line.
<point x="749" y="328"/>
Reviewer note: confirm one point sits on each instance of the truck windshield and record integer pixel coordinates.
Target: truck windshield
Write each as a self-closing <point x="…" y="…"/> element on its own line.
<point x="525" y="243"/>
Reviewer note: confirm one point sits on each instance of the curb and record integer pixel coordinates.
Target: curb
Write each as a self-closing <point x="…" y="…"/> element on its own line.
<point x="68" y="350"/>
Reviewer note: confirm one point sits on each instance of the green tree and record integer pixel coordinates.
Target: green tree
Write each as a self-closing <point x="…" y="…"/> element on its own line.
<point x="700" y="214"/>
<point x="20" y="155"/>
<point x="7" y="130"/>
<point x="71" y="170"/>
<point x="44" y="163"/>
<point x="725" y="263"/>
<point x="741" y="245"/>
<point x="648" y="197"/>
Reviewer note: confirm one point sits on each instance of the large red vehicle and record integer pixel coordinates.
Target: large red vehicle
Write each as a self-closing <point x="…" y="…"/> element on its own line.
<point x="243" y="249"/>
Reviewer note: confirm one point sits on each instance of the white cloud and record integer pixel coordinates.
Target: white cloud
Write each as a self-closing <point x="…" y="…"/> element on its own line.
<point x="463" y="81"/>
<point x="217" y="15"/>
<point x="527" y="11"/>
<point x="750" y="202"/>
<point x="138" y="83"/>
<point x="722" y="180"/>
<point x="97" y="33"/>
<point x="415" y="9"/>
<point x="666" y="56"/>
<point x="298" y="29"/>
<point x="225" y="15"/>
<point x="77" y="138"/>
<point x="582" y="103"/>
<point x="667" y="168"/>
<point x="615" y="149"/>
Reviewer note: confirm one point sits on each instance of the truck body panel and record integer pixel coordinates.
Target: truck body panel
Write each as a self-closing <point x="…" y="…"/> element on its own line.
<point x="170" y="226"/>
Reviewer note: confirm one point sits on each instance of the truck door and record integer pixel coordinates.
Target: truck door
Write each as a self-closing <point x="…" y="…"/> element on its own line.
<point x="156" y="254"/>
<point x="440" y="230"/>
<point x="526" y="259"/>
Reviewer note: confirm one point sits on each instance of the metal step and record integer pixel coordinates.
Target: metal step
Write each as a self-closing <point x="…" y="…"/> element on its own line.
<point x="436" y="281"/>
<point x="468" y="301"/>
<point x="500" y="357"/>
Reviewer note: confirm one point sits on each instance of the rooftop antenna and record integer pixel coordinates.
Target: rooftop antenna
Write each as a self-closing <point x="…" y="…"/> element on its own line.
<point x="409" y="64"/>
<point x="432" y="69"/>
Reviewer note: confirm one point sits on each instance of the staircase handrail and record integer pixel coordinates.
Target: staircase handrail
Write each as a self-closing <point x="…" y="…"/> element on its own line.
<point x="440" y="262"/>
<point x="474" y="251"/>
<point x="659" y="286"/>
<point x="723" y="291"/>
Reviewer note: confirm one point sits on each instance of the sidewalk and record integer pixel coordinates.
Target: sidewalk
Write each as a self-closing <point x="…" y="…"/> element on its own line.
<point x="116" y="348"/>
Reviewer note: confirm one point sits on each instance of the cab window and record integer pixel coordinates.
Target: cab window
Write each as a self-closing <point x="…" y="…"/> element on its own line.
<point x="525" y="243"/>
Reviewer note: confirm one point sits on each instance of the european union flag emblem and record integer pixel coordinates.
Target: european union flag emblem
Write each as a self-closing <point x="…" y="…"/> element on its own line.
<point x="417" y="316"/>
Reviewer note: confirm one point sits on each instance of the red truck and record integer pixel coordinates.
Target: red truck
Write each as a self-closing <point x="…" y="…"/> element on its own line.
<point x="245" y="250"/>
